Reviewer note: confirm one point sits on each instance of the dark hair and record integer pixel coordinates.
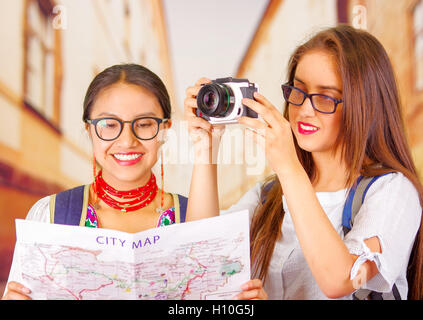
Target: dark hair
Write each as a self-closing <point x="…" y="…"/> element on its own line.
<point x="131" y="74"/>
<point x="372" y="133"/>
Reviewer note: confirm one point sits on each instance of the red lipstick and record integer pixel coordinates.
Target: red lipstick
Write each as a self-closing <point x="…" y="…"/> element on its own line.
<point x="307" y="128"/>
<point x="128" y="158"/>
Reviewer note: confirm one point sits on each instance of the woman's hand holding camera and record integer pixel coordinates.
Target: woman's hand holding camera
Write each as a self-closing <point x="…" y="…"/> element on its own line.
<point x="274" y="135"/>
<point x="205" y="136"/>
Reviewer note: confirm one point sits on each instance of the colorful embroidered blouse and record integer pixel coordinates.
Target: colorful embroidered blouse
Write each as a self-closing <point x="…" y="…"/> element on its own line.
<point x="166" y="218"/>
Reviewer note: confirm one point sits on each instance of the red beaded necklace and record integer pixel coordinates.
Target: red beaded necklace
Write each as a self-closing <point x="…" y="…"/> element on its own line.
<point x="139" y="197"/>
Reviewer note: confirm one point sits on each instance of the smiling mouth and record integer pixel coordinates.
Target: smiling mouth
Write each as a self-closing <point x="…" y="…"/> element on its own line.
<point x="127" y="157"/>
<point x="305" y="128"/>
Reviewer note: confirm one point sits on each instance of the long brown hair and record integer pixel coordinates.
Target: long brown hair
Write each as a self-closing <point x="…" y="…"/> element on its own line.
<point x="372" y="137"/>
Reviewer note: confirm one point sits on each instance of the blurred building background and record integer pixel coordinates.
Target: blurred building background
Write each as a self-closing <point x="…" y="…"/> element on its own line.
<point x="51" y="50"/>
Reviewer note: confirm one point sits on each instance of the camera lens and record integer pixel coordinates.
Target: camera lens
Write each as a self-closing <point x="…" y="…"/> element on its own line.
<point x="214" y="100"/>
<point x="210" y="100"/>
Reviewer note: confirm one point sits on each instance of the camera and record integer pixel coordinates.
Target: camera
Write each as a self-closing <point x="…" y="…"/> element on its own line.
<point x="219" y="102"/>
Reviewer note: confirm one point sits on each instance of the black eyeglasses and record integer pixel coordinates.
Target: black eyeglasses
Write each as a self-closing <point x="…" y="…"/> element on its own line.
<point x="320" y="102"/>
<point x="144" y="128"/>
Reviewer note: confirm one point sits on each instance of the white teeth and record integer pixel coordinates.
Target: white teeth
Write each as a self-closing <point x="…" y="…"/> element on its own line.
<point x="127" y="157"/>
<point x="308" y="128"/>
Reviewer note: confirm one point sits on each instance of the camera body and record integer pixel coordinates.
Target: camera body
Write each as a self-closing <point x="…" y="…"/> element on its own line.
<point x="219" y="102"/>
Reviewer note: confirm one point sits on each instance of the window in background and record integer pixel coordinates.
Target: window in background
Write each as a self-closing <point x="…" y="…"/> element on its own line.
<point x="42" y="61"/>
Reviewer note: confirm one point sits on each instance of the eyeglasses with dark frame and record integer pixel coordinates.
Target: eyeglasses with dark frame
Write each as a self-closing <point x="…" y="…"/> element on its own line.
<point x="144" y="128"/>
<point x="320" y="102"/>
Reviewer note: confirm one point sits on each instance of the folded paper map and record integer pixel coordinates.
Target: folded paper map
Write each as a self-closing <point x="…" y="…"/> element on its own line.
<point x="205" y="259"/>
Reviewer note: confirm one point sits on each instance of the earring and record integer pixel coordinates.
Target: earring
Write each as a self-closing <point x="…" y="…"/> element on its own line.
<point x="162" y="178"/>
<point x="94" y="185"/>
<point x="161" y="208"/>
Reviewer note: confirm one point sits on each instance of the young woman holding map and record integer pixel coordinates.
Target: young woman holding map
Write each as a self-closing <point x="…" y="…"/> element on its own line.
<point x="342" y="121"/>
<point x="126" y="113"/>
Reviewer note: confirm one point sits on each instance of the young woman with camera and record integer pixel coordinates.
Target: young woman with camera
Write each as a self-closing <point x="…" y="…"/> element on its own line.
<point x="342" y="120"/>
<point x="126" y="113"/>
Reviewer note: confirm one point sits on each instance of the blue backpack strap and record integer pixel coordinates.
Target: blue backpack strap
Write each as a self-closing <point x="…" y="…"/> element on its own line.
<point x="70" y="207"/>
<point x="183" y="202"/>
<point x="266" y="190"/>
<point x="352" y="205"/>
<point x="355" y="199"/>
<point x="346" y="213"/>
